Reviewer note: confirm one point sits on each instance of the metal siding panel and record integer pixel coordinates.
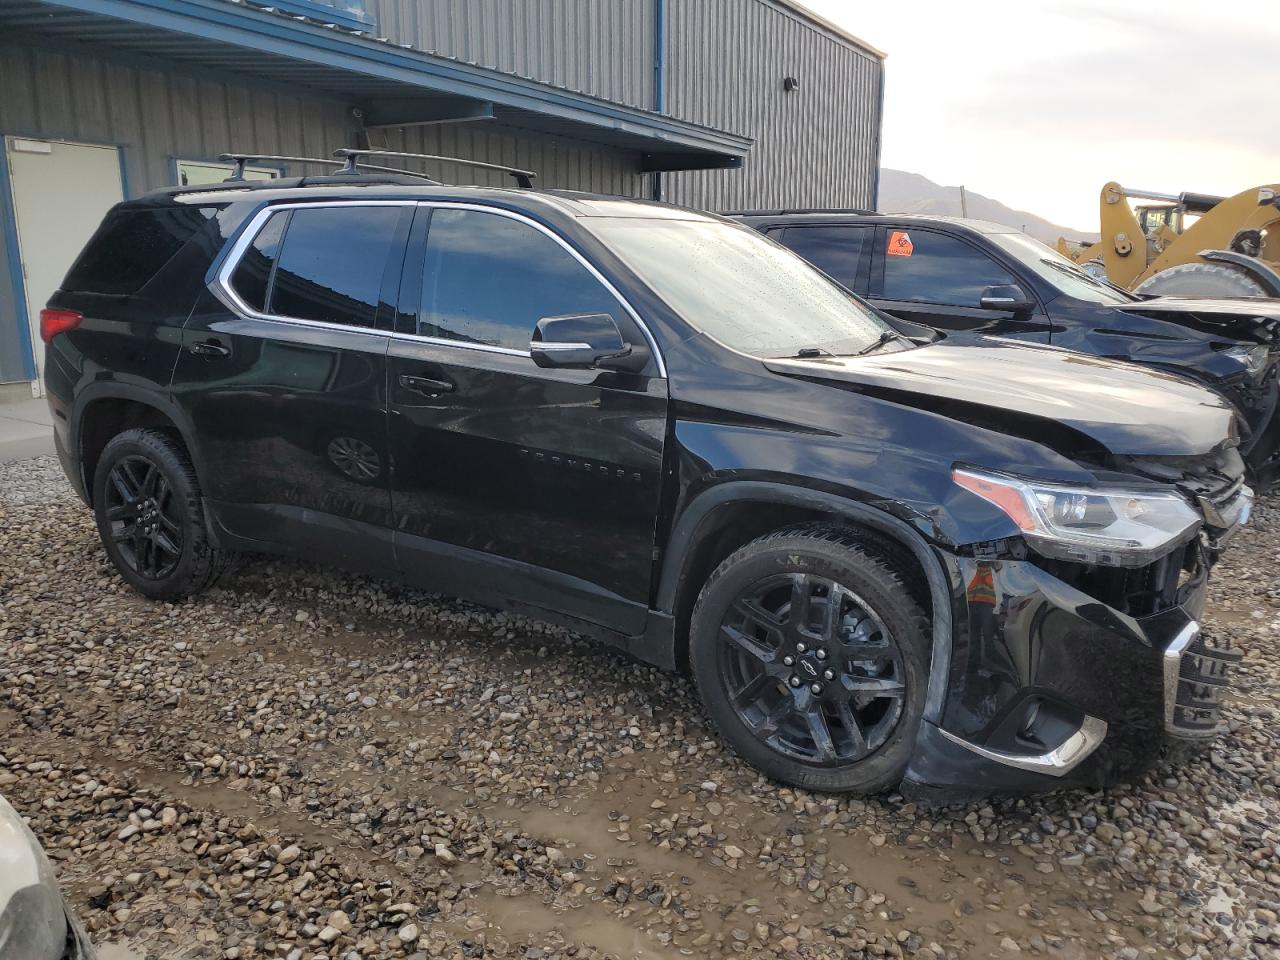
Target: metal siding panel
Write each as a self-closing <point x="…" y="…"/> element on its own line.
<point x="603" y="49"/>
<point x="726" y="60"/>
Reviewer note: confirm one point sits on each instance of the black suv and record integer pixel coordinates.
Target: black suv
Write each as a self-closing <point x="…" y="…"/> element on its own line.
<point x="945" y="566"/>
<point x="961" y="276"/>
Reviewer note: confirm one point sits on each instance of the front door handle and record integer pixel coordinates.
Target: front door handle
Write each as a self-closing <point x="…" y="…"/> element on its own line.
<point x="425" y="385"/>
<point x="209" y="348"/>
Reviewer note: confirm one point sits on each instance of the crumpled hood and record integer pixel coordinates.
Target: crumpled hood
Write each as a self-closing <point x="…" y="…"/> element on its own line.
<point x="1128" y="409"/>
<point x="1233" y="307"/>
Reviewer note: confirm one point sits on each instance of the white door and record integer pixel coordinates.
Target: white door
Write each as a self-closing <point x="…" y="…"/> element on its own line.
<point x="60" y="191"/>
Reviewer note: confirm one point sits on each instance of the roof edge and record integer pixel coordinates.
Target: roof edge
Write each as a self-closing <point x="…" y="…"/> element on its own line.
<point x="821" y="22"/>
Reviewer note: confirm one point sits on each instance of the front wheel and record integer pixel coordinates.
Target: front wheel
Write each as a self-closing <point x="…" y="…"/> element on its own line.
<point x="146" y="500"/>
<point x="811" y="658"/>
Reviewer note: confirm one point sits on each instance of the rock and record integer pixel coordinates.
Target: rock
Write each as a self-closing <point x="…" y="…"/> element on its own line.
<point x="289" y="854"/>
<point x="445" y="855"/>
<point x="408" y="933"/>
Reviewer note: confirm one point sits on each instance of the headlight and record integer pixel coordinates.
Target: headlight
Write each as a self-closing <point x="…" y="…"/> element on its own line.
<point x="1108" y="526"/>
<point x="33" y="921"/>
<point x="1253" y="359"/>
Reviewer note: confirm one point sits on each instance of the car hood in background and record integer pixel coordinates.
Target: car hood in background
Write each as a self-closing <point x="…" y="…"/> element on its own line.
<point x="1230" y="307"/>
<point x="1127" y="409"/>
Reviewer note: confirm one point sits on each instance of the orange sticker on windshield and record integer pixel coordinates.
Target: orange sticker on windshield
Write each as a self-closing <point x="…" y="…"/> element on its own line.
<point x="900" y="244"/>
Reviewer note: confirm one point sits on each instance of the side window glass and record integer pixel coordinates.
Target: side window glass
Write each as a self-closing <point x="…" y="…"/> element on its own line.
<point x="253" y="272"/>
<point x="933" y="268"/>
<point x="331" y="264"/>
<point x="489" y="279"/>
<point x="836" y="251"/>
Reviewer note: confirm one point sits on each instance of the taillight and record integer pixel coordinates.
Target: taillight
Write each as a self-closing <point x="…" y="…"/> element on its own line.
<point x="54" y="322"/>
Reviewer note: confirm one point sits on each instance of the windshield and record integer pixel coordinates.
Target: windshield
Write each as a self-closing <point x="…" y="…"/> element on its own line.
<point x="1061" y="273"/>
<point x="747" y="292"/>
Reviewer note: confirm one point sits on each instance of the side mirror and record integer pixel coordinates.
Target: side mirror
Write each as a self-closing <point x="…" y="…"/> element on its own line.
<point x="1008" y="297"/>
<point x="583" y="342"/>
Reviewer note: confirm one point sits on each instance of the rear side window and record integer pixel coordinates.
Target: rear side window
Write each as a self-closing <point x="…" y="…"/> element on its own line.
<point x="836" y="251"/>
<point x="324" y="264"/>
<point x="931" y="268"/>
<point x="131" y="247"/>
<point x="253" y="273"/>
<point x="489" y="279"/>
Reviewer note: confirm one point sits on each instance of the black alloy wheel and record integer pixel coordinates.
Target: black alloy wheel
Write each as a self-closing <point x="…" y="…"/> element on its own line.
<point x="811" y="669"/>
<point x="145" y="523"/>
<point x="811" y="655"/>
<point x="151" y="518"/>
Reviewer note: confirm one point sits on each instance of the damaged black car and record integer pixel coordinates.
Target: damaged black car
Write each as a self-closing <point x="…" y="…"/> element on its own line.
<point x="961" y="276"/>
<point x="950" y="567"/>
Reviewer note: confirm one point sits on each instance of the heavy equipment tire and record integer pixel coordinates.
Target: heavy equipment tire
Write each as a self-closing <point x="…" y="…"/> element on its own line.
<point x="147" y="503"/>
<point x="1201" y="280"/>
<point x="825" y="699"/>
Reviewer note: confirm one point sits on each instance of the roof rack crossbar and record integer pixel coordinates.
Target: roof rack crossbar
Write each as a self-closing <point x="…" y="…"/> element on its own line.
<point x="241" y="159"/>
<point x="523" y="178"/>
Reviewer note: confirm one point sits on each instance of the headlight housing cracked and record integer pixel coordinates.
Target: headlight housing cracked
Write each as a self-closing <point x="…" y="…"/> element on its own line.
<point x="1110" y="526"/>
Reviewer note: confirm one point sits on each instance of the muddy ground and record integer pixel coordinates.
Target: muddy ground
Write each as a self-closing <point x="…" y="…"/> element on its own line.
<point x="305" y="764"/>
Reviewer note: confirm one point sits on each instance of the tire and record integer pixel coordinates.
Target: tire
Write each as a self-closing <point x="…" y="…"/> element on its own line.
<point x="742" y="628"/>
<point x="1201" y="280"/>
<point x="147" y="503"/>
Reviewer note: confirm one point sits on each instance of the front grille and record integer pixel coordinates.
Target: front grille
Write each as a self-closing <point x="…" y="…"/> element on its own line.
<point x="1195" y="684"/>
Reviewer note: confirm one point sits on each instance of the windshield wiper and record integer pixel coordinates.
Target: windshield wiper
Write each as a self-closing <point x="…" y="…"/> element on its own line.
<point x="883" y="339"/>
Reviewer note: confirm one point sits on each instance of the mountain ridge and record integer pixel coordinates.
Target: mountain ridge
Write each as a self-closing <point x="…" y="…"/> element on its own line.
<point x="914" y="193"/>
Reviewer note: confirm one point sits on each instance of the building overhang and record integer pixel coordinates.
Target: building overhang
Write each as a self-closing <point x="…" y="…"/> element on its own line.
<point x="392" y="85"/>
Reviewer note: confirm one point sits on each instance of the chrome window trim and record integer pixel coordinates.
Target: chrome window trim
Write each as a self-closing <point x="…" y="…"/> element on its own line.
<point x="226" y="293"/>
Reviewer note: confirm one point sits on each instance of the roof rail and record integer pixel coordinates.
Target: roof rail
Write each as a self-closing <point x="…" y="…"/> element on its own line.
<point x="787" y="211"/>
<point x="240" y="159"/>
<point x="523" y="178"/>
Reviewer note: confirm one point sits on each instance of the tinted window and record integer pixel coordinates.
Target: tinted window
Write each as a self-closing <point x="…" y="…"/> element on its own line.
<point x="131" y="246"/>
<point x="833" y="250"/>
<point x="254" y="269"/>
<point x="331" y="264"/>
<point x="932" y="268"/>
<point x="490" y="279"/>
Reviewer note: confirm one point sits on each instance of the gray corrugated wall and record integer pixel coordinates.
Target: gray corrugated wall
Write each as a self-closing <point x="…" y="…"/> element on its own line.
<point x="600" y="47"/>
<point x="159" y="116"/>
<point x="816" y="146"/>
<point x="725" y="60"/>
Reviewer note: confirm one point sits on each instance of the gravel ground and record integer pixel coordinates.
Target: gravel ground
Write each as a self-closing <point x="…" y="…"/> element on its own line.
<point x="305" y="764"/>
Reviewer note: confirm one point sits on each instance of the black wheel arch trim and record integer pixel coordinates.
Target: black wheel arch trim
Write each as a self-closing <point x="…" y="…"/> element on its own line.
<point x="114" y="390"/>
<point x="688" y="531"/>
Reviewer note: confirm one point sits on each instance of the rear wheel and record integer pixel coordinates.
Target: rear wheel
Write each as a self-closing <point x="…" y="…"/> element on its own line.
<point x="146" y="500"/>
<point x="1201" y="280"/>
<point x="811" y="658"/>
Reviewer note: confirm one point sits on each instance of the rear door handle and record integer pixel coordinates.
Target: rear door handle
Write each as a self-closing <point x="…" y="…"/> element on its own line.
<point x="209" y="348"/>
<point x="425" y="385"/>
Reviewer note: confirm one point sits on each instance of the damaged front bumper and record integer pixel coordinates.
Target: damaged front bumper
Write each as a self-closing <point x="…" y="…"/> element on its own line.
<point x="1065" y="674"/>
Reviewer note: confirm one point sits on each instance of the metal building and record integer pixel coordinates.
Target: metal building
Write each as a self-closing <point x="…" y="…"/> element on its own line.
<point x="717" y="104"/>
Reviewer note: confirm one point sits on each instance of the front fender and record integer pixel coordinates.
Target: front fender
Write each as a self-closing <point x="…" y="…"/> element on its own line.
<point x="698" y="517"/>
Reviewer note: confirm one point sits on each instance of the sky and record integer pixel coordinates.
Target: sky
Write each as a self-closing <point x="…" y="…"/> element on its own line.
<point x="1038" y="103"/>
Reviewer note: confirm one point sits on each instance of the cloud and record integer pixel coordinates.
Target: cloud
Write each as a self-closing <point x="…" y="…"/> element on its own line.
<point x="1040" y="103"/>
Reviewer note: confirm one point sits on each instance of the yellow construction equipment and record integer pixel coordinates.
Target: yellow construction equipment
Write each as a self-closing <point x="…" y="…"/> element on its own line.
<point x="1187" y="244"/>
